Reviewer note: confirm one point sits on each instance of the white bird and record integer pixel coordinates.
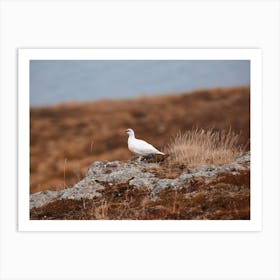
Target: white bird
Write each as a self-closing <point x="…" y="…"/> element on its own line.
<point x="140" y="147"/>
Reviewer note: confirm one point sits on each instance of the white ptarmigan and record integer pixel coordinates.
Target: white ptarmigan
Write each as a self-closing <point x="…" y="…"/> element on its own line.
<point x="140" y="147"/>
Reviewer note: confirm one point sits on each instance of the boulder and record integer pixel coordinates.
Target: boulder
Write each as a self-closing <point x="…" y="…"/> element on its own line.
<point x="135" y="174"/>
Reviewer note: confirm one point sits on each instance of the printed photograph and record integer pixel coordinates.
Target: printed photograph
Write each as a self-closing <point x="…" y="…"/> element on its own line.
<point x="139" y="139"/>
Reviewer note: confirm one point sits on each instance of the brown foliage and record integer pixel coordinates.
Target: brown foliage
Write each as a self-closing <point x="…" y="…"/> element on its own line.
<point x="67" y="138"/>
<point x="226" y="197"/>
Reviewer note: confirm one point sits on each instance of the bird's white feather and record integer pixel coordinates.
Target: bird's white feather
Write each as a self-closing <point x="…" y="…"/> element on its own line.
<point x="141" y="147"/>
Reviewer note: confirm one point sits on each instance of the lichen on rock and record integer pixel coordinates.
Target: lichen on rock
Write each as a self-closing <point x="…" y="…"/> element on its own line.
<point x="101" y="176"/>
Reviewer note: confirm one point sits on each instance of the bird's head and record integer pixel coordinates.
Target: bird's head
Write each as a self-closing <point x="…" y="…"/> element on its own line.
<point x="130" y="131"/>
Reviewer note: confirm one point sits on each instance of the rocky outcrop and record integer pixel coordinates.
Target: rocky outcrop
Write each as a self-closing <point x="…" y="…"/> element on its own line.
<point x="136" y="175"/>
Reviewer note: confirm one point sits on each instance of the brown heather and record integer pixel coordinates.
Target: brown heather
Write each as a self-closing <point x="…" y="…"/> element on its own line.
<point x="66" y="139"/>
<point x="227" y="197"/>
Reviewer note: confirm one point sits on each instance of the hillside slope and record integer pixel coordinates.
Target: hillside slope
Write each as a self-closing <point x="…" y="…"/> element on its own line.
<point x="65" y="139"/>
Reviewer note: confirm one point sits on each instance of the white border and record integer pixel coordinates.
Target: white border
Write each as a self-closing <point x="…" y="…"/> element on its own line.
<point x="254" y="55"/>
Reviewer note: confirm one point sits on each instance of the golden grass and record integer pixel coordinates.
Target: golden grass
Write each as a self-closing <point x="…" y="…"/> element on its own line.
<point x="100" y="212"/>
<point x="199" y="146"/>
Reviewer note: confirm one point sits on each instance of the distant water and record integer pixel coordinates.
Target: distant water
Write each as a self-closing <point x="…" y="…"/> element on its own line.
<point x="56" y="81"/>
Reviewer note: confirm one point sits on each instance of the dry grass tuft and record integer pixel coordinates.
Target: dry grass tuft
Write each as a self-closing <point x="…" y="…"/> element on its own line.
<point x="101" y="212"/>
<point x="199" y="146"/>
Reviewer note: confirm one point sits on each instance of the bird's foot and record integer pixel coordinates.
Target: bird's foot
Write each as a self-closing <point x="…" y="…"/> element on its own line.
<point x="154" y="158"/>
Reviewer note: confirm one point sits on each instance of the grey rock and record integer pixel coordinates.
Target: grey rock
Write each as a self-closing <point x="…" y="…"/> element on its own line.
<point x="84" y="189"/>
<point x="146" y="180"/>
<point x="87" y="188"/>
<point x="102" y="175"/>
<point x="114" y="172"/>
<point x="245" y="159"/>
<point x="161" y="185"/>
<point x="41" y="198"/>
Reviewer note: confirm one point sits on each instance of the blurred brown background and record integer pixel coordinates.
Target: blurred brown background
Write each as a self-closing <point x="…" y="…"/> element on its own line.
<point x="67" y="138"/>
